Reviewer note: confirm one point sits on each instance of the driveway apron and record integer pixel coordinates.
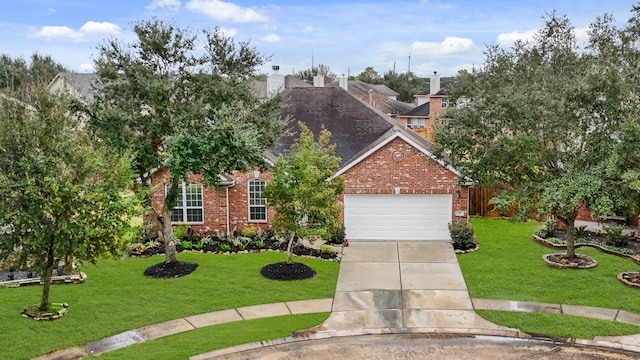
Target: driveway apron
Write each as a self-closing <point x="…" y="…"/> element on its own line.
<point x="405" y="286"/>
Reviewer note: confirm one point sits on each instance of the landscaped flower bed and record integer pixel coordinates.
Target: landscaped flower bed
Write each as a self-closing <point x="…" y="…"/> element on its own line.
<point x="246" y="241"/>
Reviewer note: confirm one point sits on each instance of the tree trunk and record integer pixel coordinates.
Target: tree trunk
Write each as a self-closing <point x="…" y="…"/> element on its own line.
<point x="290" y="248"/>
<point x="46" y="281"/>
<point x="571" y="237"/>
<point x="49" y="261"/>
<point x="165" y="233"/>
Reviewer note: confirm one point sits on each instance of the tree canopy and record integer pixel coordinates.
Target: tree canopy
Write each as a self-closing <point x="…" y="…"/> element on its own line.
<point x="552" y="122"/>
<point x="178" y="107"/>
<point x="16" y="74"/>
<point x="63" y="196"/>
<point x="303" y="191"/>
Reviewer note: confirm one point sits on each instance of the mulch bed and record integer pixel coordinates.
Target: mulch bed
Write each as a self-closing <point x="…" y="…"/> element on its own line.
<point x="599" y="239"/>
<point x="170" y="270"/>
<point x="563" y="261"/>
<point x="286" y="271"/>
<point x="630" y="278"/>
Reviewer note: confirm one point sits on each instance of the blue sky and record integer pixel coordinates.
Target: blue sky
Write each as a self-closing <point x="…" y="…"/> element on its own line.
<point x="346" y="35"/>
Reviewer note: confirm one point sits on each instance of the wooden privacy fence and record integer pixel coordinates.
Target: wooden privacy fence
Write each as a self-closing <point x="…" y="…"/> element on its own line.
<point x="479" y="203"/>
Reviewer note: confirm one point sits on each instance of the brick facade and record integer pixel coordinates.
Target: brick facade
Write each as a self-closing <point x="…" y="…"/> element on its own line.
<point x="215" y="202"/>
<point x="397" y="164"/>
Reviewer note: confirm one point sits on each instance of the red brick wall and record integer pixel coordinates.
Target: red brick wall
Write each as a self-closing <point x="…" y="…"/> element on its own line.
<point x="398" y="164"/>
<point x="215" y="204"/>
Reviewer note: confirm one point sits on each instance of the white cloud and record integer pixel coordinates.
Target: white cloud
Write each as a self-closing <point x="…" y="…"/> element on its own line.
<point x="271" y="38"/>
<point x="172" y="4"/>
<point x="68" y="34"/>
<point x="307" y="29"/>
<point x="52" y="10"/>
<point x="226" y="11"/>
<point x="508" y="39"/>
<point x="87" y="67"/>
<point x="228" y="32"/>
<point x="451" y="46"/>
<point x="100" y="27"/>
<point x="58" y="33"/>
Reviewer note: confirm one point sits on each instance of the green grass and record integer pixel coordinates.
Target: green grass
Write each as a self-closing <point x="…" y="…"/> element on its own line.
<point x="560" y="325"/>
<point x="116" y="297"/>
<point x="202" y="340"/>
<point x="509" y="266"/>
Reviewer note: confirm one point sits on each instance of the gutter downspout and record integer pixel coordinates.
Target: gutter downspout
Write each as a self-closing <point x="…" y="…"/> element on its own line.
<point x="227" y="200"/>
<point x="227" y="185"/>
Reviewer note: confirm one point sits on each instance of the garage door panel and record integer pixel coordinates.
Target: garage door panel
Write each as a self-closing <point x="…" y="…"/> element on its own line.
<point x="397" y="217"/>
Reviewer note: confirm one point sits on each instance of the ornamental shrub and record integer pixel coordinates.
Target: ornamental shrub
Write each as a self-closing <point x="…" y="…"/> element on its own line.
<point x="462" y="235"/>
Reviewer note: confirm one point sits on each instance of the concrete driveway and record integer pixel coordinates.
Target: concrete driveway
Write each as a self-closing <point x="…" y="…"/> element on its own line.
<point x="404" y="285"/>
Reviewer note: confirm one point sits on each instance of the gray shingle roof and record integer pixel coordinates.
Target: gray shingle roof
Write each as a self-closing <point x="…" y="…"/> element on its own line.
<point x="353" y="124"/>
<point x="82" y="82"/>
<point x="422" y="111"/>
<point x="358" y="87"/>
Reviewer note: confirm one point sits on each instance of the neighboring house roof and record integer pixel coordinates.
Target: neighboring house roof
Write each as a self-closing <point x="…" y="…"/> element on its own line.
<point x="357" y="87"/>
<point x="398" y="107"/>
<point x="77" y="84"/>
<point x="418" y="111"/>
<point x="357" y="130"/>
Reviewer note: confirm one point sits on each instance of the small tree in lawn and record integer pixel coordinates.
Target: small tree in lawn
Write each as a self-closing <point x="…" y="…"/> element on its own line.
<point x="303" y="191"/>
<point x="63" y="197"/>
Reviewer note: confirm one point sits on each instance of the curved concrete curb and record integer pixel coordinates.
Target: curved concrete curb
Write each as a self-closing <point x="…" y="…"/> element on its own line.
<point x="180" y="325"/>
<point x="151" y="332"/>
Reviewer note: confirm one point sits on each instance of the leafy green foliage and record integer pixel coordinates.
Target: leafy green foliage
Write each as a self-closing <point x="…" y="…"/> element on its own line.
<point x="17" y="75"/>
<point x="462" y="235"/>
<point x="178" y="107"/>
<point x="615" y="234"/>
<point x="581" y="231"/>
<point x="542" y="232"/>
<point x="63" y="196"/>
<point x="552" y="123"/>
<point x="303" y="191"/>
<point x="406" y="84"/>
<point x="370" y="76"/>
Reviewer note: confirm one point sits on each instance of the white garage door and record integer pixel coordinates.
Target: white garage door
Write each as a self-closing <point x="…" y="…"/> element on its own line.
<point x="397" y="217"/>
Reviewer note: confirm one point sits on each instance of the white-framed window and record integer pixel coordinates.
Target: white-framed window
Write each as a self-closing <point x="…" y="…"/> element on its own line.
<point x="444" y="102"/>
<point x="257" y="201"/>
<point x="415" y="123"/>
<point x="189" y="207"/>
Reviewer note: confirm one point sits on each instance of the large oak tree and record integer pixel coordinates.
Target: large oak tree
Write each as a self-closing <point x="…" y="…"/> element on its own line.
<point x="181" y="101"/>
<point x="553" y="122"/>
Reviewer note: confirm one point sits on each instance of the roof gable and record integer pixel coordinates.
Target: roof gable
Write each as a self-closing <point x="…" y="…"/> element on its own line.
<point x="419" y="143"/>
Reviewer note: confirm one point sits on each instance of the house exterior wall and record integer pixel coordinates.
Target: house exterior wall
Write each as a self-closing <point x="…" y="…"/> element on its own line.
<point x="215" y="202"/>
<point x="398" y="164"/>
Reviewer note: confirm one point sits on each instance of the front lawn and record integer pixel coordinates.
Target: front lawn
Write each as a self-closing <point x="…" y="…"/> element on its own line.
<point x="206" y="339"/>
<point x="116" y="297"/>
<point x="509" y="266"/>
